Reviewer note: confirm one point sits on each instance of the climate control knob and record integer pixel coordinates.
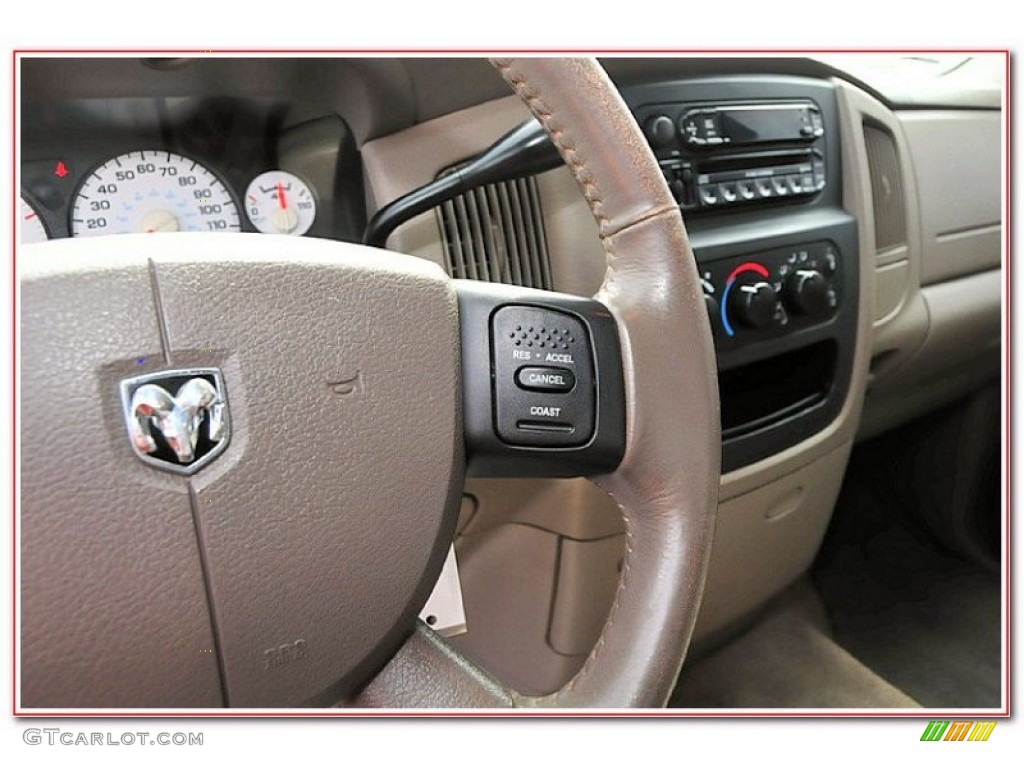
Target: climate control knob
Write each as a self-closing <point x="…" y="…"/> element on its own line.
<point x="753" y="305"/>
<point x="806" y="292"/>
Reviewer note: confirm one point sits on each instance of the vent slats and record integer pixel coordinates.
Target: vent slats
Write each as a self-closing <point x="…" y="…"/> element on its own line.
<point x="886" y="188"/>
<point x="495" y="233"/>
<point x="447" y="234"/>
<point x="542" y="245"/>
<point x="509" y="235"/>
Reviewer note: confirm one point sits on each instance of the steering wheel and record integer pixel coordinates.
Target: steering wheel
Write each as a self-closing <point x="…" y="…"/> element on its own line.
<point x="287" y="565"/>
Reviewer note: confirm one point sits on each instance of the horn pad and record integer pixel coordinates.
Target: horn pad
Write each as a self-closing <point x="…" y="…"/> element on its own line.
<point x="289" y="568"/>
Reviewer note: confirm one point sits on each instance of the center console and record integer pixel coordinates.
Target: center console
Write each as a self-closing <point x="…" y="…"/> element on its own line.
<point x="754" y="164"/>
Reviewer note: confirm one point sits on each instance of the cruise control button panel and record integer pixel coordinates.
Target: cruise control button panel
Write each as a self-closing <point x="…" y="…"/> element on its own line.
<point x="543" y="377"/>
<point x="543" y="391"/>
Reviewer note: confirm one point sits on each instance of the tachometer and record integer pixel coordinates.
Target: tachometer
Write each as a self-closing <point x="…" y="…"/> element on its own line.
<point x="32" y="228"/>
<point x="152" y="191"/>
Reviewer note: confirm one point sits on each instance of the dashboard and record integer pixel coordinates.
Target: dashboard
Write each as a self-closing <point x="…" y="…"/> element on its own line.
<point x="759" y="151"/>
<point x="847" y="292"/>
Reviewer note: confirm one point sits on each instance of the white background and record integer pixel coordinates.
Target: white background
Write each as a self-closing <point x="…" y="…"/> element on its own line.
<point x="208" y="24"/>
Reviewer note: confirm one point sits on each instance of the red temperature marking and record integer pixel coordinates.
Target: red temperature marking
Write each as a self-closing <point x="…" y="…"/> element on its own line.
<point x="750" y="265"/>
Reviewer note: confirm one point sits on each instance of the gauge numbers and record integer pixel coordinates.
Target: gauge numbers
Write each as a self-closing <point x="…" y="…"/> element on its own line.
<point x="280" y="203"/>
<point x="152" y="191"/>
<point x="32" y="228"/>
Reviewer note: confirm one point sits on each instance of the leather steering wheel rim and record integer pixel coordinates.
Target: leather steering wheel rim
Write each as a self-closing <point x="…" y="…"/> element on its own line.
<point x="667" y="484"/>
<point x="287" y="567"/>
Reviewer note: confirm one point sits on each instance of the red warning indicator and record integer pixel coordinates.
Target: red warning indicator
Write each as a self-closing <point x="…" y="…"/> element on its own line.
<point x="60" y="170"/>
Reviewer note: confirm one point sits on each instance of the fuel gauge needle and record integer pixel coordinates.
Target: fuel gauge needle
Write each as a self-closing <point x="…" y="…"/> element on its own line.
<point x="283" y="219"/>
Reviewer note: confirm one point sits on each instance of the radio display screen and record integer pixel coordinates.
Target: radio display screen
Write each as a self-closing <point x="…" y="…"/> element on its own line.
<point x="762" y="124"/>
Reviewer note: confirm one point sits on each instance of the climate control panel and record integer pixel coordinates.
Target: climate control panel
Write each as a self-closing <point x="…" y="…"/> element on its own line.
<point x="773" y="293"/>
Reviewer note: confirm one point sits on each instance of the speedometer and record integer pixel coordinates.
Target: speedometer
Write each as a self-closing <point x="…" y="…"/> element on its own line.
<point x="152" y="191"/>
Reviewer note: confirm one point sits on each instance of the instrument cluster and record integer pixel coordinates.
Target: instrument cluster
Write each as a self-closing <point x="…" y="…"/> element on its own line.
<point x="187" y="165"/>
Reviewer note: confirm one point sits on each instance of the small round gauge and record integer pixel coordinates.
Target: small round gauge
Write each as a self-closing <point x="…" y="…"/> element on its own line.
<point x="280" y="203"/>
<point x="32" y="228"/>
<point x="152" y="191"/>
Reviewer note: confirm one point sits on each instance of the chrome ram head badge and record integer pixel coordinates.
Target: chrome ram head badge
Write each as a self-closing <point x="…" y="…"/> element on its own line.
<point x="179" y="432"/>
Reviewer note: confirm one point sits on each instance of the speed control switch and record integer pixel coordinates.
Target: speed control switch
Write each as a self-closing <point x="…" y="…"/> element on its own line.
<point x="543" y="392"/>
<point x="543" y="377"/>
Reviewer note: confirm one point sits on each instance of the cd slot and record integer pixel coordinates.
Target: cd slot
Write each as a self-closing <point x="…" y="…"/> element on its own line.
<point x="757" y="159"/>
<point x="755" y="173"/>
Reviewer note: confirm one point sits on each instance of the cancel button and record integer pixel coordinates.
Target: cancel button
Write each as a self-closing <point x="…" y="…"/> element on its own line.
<point x="545" y="379"/>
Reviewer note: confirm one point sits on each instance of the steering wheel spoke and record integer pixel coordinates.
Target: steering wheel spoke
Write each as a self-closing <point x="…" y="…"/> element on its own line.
<point x="427" y="673"/>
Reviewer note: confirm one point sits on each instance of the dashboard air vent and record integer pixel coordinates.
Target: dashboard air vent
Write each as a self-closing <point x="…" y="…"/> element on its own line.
<point x="886" y="188"/>
<point x="495" y="233"/>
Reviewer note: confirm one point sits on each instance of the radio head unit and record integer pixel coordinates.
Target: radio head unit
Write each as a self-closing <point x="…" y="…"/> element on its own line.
<point x="725" y="154"/>
<point x="776" y="251"/>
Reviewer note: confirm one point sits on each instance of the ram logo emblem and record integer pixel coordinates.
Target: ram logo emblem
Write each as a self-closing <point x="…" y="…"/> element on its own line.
<point x="180" y="432"/>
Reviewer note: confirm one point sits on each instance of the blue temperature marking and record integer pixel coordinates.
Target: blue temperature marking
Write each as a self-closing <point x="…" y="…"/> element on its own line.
<point x="721" y="309"/>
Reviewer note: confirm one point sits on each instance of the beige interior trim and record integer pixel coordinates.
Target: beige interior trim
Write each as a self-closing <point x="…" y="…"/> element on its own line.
<point x="766" y="539"/>
<point x="959" y="192"/>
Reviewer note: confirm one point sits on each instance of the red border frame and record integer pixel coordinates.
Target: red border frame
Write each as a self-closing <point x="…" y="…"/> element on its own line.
<point x="442" y="714"/>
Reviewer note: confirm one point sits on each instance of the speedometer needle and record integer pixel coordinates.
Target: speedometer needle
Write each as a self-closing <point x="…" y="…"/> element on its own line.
<point x="281" y="199"/>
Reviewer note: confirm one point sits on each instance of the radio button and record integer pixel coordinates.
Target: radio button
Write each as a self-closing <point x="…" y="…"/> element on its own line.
<point x="728" y="192"/>
<point x="807" y="182"/>
<point x="709" y="124"/>
<point x="709" y="194"/>
<point x="793" y="183"/>
<point x="779" y="187"/>
<point x="691" y="128"/>
<point x="660" y="130"/>
<point x="764" y="188"/>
